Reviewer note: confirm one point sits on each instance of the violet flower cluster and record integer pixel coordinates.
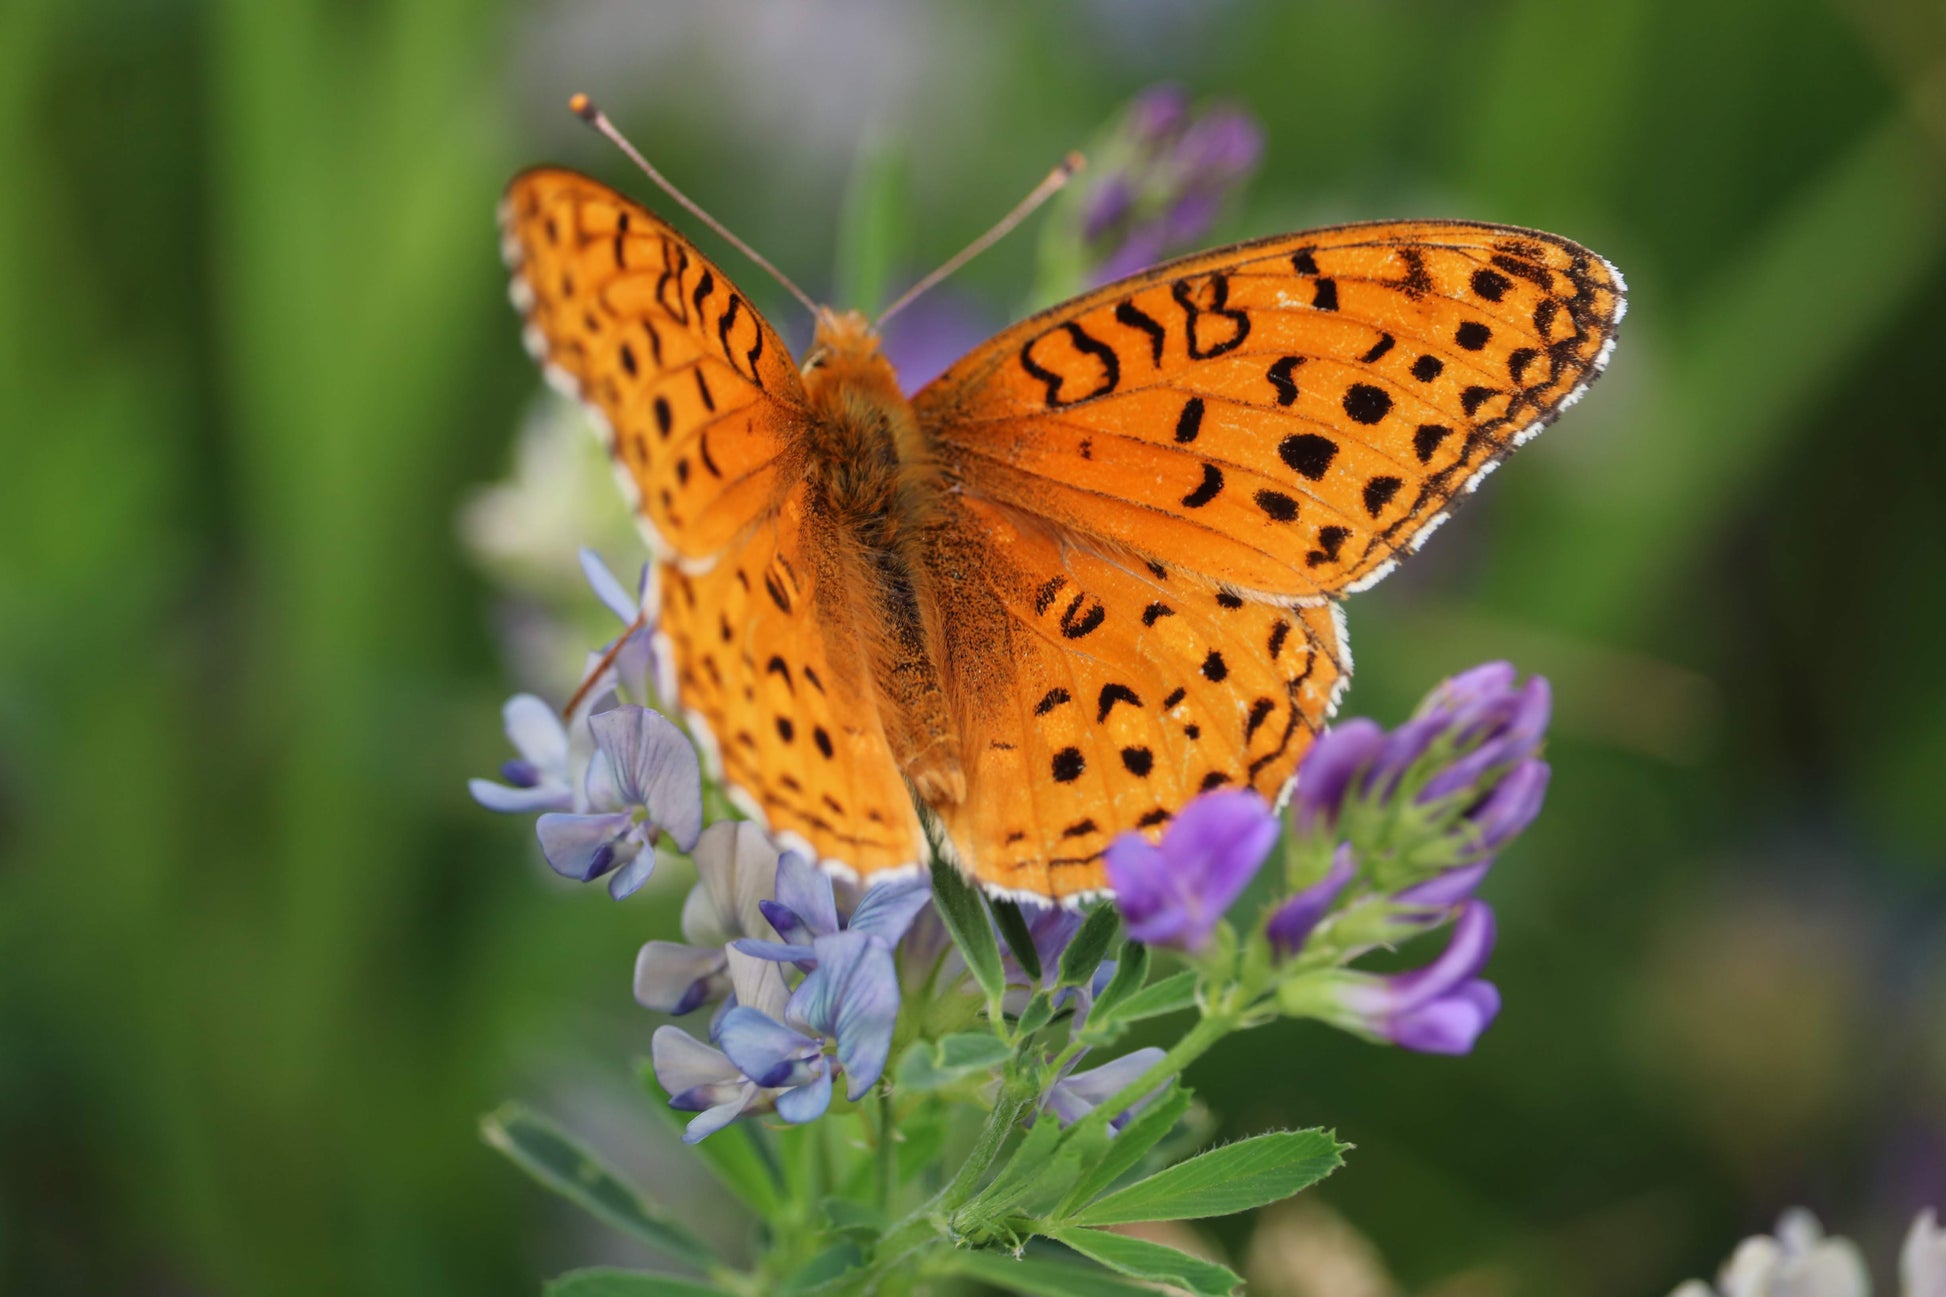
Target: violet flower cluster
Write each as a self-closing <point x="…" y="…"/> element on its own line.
<point x="1390" y="835"/>
<point x="1162" y="178"/>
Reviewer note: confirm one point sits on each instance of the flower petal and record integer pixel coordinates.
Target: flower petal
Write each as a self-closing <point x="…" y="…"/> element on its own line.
<point x="655" y="767"/>
<point x="1465" y="955"/>
<point x="537" y="734"/>
<point x="676" y="979"/>
<point x="736" y="866"/>
<point x="853" y="995"/>
<point x="714" y="1119"/>
<point x="889" y="908"/>
<point x="777" y="952"/>
<point x="628" y="880"/>
<point x="1922" y="1260"/>
<point x="767" y="1052"/>
<point x="1145" y="891"/>
<point x="1290" y="926"/>
<point x="1074" y="1097"/>
<point x="759" y="984"/>
<point x="1450" y="1024"/>
<point x="582" y="847"/>
<point x="1326" y="773"/>
<point x="1512" y="805"/>
<point x="683" y="1063"/>
<point x="1226" y="835"/>
<point x="805" y="890"/>
<point x="606" y="587"/>
<point x="808" y="1101"/>
<point x="1447" y="889"/>
<point x="516" y="801"/>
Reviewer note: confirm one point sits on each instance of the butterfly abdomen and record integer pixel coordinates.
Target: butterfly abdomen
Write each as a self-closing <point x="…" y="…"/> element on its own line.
<point x="875" y="493"/>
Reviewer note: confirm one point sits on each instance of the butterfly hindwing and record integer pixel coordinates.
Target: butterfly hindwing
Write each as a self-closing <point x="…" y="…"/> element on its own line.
<point x="769" y="676"/>
<point x="1286" y="417"/>
<point x="696" y="393"/>
<point x="1099" y="695"/>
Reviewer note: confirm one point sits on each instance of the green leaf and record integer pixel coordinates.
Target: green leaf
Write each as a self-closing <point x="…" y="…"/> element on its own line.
<point x="1090" y="945"/>
<point x="1233" y="1178"/>
<point x="560" y="1162"/>
<point x="1156" y="1262"/>
<point x="731" y="1153"/>
<point x="827" y="1265"/>
<point x="920" y="1140"/>
<point x="1131" y="970"/>
<point x="1038" y="1013"/>
<point x="1171" y="995"/>
<point x="1125" y="1152"/>
<point x="1033" y="1167"/>
<point x="1020" y="940"/>
<point x="936" y="1064"/>
<point x="846" y="1216"/>
<point x="965" y="916"/>
<point x="603" y="1281"/>
<point x="1038" y="1277"/>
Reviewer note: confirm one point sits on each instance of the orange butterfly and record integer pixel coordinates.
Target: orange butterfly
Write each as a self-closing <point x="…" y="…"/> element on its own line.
<point x="1090" y="571"/>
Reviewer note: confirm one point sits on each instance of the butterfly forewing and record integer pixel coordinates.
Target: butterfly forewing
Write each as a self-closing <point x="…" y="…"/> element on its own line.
<point x="703" y="408"/>
<point x="696" y="392"/>
<point x="1286" y="417"/>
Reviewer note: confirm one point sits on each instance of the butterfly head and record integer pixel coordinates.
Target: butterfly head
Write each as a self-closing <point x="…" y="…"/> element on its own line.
<point x="845" y="353"/>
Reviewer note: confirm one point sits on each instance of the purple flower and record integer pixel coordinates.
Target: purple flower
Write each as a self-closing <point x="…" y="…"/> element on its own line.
<point x="735" y="866"/>
<point x="1292" y="922"/>
<point x="852" y="996"/>
<point x="635" y="665"/>
<point x="932" y="333"/>
<point x="644" y="782"/>
<point x="543" y="777"/>
<point x="1166" y="174"/>
<point x="1076" y="1095"/>
<point x="1157" y="113"/>
<point x="1173" y="893"/>
<point x="1468" y="759"/>
<point x="806" y="908"/>
<point x="702" y="1078"/>
<point x="540" y="778"/>
<point x="1439" y="1009"/>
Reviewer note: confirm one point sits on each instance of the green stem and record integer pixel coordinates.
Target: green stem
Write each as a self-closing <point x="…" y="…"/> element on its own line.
<point x="888" y="1153"/>
<point x="1008" y="1108"/>
<point x="1212" y="1028"/>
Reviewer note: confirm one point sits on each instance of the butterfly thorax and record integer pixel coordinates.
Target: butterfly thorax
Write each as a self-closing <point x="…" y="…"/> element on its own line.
<point x="875" y="490"/>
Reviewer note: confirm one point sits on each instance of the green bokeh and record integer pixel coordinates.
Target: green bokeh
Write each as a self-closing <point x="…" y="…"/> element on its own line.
<point x="262" y="964"/>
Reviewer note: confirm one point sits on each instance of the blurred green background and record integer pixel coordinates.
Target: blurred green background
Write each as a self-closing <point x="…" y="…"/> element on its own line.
<point x="262" y="963"/>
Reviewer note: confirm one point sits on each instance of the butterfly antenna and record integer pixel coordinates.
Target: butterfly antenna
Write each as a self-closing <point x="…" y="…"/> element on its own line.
<point x="1046" y="189"/>
<point x="584" y="108"/>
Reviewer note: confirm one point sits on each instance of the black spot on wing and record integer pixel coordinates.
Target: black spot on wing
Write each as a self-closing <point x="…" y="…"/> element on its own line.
<point x="1050" y="700"/>
<point x="1112" y="694"/>
<point x="1190" y="421"/>
<point x="1280" y="376"/>
<point x="1206" y="491"/>
<point x="1367" y="404"/>
<point x="1128" y="313"/>
<point x="1308" y="453"/>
